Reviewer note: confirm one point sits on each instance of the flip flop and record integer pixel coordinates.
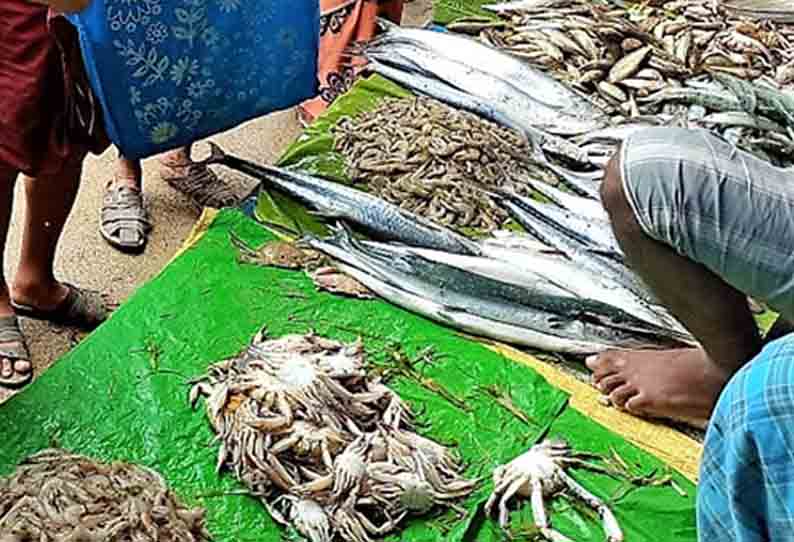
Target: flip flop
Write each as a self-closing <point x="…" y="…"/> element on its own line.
<point x="200" y="184"/>
<point x="124" y="223"/>
<point x="80" y="308"/>
<point x="13" y="348"/>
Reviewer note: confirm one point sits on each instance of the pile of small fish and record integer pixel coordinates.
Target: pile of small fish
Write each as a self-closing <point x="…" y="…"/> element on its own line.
<point x="329" y="449"/>
<point x="587" y="43"/>
<point x="593" y="47"/>
<point x="55" y="495"/>
<point x="771" y="10"/>
<point x="695" y="64"/>
<point x="434" y="160"/>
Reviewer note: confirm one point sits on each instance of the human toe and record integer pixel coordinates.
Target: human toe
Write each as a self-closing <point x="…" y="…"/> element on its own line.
<point x="22" y="366"/>
<point x="620" y="396"/>
<point x="609" y="383"/>
<point x="604" y="364"/>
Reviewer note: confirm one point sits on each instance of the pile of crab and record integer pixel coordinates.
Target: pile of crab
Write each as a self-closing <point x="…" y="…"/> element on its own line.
<point x="329" y="449"/>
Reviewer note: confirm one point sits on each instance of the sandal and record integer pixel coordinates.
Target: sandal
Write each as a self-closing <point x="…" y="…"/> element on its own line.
<point x="81" y="308"/>
<point x="124" y="223"/>
<point x="13" y="349"/>
<point x="200" y="184"/>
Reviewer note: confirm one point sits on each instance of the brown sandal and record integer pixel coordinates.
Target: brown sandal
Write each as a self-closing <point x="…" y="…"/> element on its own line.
<point x="14" y="349"/>
<point x="200" y="184"/>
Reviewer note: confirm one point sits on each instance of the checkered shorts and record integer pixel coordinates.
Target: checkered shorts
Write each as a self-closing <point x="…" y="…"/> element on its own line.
<point x="716" y="205"/>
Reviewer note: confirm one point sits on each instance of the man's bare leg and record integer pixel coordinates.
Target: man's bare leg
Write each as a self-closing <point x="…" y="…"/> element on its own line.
<point x="685" y="383"/>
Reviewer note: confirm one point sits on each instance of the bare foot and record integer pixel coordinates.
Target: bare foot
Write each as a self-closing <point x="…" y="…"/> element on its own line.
<point x="679" y="384"/>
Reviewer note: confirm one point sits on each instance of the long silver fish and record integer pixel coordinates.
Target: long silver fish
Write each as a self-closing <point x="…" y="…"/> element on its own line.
<point x="466" y="321"/>
<point x="584" y="184"/>
<point x="402" y="282"/>
<point x="460" y="292"/>
<point x="574" y="246"/>
<point x="595" y="262"/>
<point x="584" y="207"/>
<point x="486" y="86"/>
<point x="520" y="251"/>
<point x="595" y="235"/>
<point x="542" y="280"/>
<point x="542" y="87"/>
<point x="334" y="200"/>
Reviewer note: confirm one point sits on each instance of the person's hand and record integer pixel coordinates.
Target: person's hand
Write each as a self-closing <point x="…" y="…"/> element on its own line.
<point x="65" y="6"/>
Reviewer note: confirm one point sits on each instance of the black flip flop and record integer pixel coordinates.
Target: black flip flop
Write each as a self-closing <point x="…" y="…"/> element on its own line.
<point x="80" y="308"/>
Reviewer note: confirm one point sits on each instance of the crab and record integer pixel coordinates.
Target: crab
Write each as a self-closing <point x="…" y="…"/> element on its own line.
<point x="399" y="489"/>
<point x="540" y="473"/>
<point x="435" y="454"/>
<point x="308" y="517"/>
<point x="334" y="281"/>
<point x="395" y="412"/>
<point x="276" y="254"/>
<point x="309" y="440"/>
<point x="298" y="384"/>
<point x="355" y="526"/>
<point x="348" y="470"/>
<point x="347" y="361"/>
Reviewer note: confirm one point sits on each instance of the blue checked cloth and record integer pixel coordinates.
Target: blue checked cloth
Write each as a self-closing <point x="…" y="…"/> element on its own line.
<point x="169" y="72"/>
<point x="746" y="489"/>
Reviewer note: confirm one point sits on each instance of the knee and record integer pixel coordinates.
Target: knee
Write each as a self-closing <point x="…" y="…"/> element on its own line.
<point x="614" y="200"/>
<point x="612" y="196"/>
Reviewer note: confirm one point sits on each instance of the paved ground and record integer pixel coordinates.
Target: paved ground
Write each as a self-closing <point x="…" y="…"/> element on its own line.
<point x="85" y="259"/>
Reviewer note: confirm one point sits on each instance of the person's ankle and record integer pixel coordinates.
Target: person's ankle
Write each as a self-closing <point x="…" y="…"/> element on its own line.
<point x="128" y="182"/>
<point x="28" y="288"/>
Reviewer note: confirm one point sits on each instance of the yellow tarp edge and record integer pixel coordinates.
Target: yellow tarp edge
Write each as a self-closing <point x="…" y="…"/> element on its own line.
<point x="197" y="232"/>
<point x="672" y="447"/>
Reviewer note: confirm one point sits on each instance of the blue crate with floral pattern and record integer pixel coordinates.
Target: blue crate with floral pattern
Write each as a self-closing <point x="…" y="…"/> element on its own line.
<point x="170" y="72"/>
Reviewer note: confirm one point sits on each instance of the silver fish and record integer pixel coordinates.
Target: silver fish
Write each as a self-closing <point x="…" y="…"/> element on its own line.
<point x="594" y="235"/>
<point x="584" y="207"/>
<point x="596" y="263"/>
<point x="562" y="319"/>
<point x="579" y="276"/>
<point x="334" y="200"/>
<point x="486" y="86"/>
<point x="467" y="51"/>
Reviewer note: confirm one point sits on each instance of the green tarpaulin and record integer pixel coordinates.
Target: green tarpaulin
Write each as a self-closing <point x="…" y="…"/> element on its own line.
<point x="122" y="394"/>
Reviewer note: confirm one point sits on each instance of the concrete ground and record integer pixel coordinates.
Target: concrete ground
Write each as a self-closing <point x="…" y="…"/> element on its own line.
<point x="85" y="259"/>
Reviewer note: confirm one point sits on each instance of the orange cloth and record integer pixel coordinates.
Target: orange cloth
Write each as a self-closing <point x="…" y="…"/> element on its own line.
<point x="344" y="22"/>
